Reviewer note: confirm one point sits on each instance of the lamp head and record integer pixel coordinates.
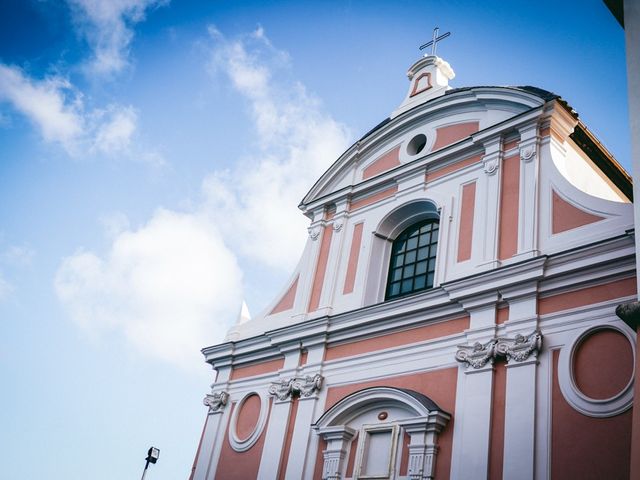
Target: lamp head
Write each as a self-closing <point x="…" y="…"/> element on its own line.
<point x="153" y="454"/>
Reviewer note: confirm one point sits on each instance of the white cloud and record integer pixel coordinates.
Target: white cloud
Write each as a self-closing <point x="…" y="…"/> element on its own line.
<point x="115" y="131"/>
<point x="255" y="204"/>
<point x="58" y="111"/>
<point x="17" y="255"/>
<point x="107" y="26"/>
<point x="173" y="286"/>
<point x="51" y="104"/>
<point x="170" y="287"/>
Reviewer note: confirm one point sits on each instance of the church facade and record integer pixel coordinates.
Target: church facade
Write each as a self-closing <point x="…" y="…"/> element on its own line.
<point x="453" y="312"/>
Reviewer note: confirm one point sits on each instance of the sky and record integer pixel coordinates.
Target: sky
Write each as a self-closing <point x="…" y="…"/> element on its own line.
<point x="152" y="157"/>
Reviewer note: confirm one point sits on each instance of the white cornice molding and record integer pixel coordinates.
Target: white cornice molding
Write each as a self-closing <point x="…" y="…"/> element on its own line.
<point x="439" y="107"/>
<point x="493" y="280"/>
<point x="609" y="259"/>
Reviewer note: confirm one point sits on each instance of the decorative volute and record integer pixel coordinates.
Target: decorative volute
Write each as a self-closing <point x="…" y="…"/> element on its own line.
<point x="429" y="78"/>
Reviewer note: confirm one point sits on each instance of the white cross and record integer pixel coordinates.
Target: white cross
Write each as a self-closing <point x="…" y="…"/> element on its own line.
<point x="434" y="41"/>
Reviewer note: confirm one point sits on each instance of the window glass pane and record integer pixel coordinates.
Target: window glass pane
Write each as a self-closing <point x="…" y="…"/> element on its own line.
<point x="420" y="282"/>
<point x="421" y="268"/>
<point x="412" y="262"/>
<point x="425" y="239"/>
<point x="399" y="260"/>
<point x="399" y="247"/>
<point x="408" y="271"/>
<point x="397" y="274"/>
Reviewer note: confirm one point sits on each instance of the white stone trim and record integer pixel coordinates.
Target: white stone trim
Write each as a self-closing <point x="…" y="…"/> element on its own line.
<point x="588" y="406"/>
<point x="242" y="445"/>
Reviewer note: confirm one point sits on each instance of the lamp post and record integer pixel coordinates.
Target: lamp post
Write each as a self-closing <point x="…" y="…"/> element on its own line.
<point x="152" y="457"/>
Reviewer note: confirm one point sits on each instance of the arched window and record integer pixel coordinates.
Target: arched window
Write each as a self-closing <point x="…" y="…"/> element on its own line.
<point x="413" y="259"/>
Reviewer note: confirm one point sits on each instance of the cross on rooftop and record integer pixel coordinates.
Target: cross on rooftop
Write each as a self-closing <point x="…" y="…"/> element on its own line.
<point x="434" y="41"/>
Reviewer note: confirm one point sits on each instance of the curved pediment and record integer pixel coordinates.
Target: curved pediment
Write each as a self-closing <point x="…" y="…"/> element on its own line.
<point x="423" y="131"/>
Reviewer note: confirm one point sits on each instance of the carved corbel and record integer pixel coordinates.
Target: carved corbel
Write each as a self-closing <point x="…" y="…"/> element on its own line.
<point x="527" y="153"/>
<point x="307" y="386"/>
<point x="520" y="347"/>
<point x="491" y="164"/>
<point x="216" y="401"/>
<point x="289" y="388"/>
<point x="314" y="232"/>
<point x="478" y="354"/>
<point x="282" y="389"/>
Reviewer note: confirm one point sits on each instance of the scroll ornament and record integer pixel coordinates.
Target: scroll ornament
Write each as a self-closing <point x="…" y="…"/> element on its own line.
<point x="520" y="347"/>
<point x="478" y="354"/>
<point x="216" y="401"/>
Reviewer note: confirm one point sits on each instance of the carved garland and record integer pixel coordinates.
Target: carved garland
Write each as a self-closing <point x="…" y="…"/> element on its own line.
<point x="516" y="349"/>
<point x="289" y="388"/>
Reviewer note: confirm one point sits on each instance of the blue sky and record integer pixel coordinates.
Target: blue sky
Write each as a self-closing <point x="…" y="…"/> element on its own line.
<point x="152" y="155"/>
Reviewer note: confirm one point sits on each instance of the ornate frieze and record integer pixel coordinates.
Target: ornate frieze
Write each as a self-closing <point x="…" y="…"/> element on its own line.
<point x="288" y="388"/>
<point x="216" y="401"/>
<point x="478" y="354"/>
<point x="520" y="347"/>
<point x="517" y="349"/>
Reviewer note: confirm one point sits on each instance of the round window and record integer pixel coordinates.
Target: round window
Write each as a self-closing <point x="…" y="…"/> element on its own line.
<point x="417" y="144"/>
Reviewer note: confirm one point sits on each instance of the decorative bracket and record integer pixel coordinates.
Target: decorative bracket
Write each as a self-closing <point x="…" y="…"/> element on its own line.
<point x="478" y="354"/>
<point x="314" y="232"/>
<point x="289" y="388"/>
<point x="216" y="401"/>
<point x="520" y="347"/>
<point x="528" y="153"/>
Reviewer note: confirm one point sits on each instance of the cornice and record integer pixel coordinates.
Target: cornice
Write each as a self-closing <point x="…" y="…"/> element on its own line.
<point x="608" y="259"/>
<point x="434" y="109"/>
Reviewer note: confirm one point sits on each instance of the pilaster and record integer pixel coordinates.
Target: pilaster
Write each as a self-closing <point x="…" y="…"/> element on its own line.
<point x="475" y="387"/>
<point x="528" y="202"/>
<point x="280" y="411"/>
<point x="338" y="223"/>
<point x="492" y="160"/>
<point x="521" y="388"/>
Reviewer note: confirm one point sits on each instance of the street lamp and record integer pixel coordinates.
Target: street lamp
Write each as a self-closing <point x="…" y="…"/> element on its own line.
<point x="152" y="457"/>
